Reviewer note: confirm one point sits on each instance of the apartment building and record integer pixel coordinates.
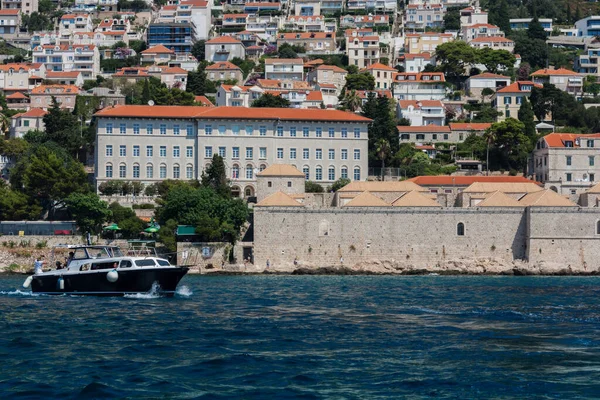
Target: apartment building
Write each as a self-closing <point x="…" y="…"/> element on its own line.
<point x="177" y="36"/>
<point x="313" y="42"/>
<point x="224" y="48"/>
<point x="10" y="22"/>
<point x="417" y="43"/>
<point x="25" y="6"/>
<point x="471" y="32"/>
<point x="235" y="21"/>
<point x="564" y="79"/>
<point x="196" y="13"/>
<point x="154" y="143"/>
<point x="237" y="96"/>
<point x="264" y="26"/>
<point x="472" y="16"/>
<point x="523" y="23"/>
<point x="419" y="86"/>
<point x="567" y="163"/>
<point x="588" y="62"/>
<point x="416" y="62"/>
<point x="158" y="54"/>
<point x="362" y="47"/>
<point x="22" y="123"/>
<point x="423" y="112"/>
<point x="305" y="8"/>
<point x="328" y="74"/>
<point x="426" y="134"/>
<point x="589" y="26"/>
<point x="383" y="74"/>
<point x="331" y="7"/>
<point x="493" y="42"/>
<point x="508" y="99"/>
<point x="310" y="23"/>
<point x="284" y="69"/>
<point x="17" y="78"/>
<point x="69" y="58"/>
<point x="421" y="16"/>
<point x="475" y="84"/>
<point x="70" y="23"/>
<point x="224" y="71"/>
<point x="65" y="78"/>
<point x="365" y="21"/>
<point x="257" y="7"/>
<point x="41" y="96"/>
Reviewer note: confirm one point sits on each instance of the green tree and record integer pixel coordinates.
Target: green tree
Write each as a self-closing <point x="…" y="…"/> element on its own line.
<point x="452" y="19"/>
<point x="383" y="127"/>
<point x="496" y="60"/>
<point x="337" y="185"/>
<point x="16" y="206"/>
<point x="286" y="50"/>
<point x="509" y="138"/>
<point x="271" y="100"/>
<point x="382" y="150"/>
<point x="351" y="101"/>
<point x="146" y="92"/>
<point x="198" y="50"/>
<point x="88" y="211"/>
<point x="215" y="177"/>
<point x="63" y="128"/>
<point x="198" y="83"/>
<point x="453" y="57"/>
<point x="499" y="15"/>
<point x="486" y="113"/>
<point x="526" y="116"/>
<point x="536" y="30"/>
<point x="312" y="187"/>
<point x="13" y="148"/>
<point x="360" y="81"/>
<point x="245" y="65"/>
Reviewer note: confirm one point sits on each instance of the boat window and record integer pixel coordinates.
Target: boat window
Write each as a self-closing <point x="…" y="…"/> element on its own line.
<point x="125" y="264"/>
<point x="80" y="254"/>
<point x="145" y="263"/>
<point x="105" y="265"/>
<point x="116" y="252"/>
<point x="163" y="263"/>
<point x="99" y="253"/>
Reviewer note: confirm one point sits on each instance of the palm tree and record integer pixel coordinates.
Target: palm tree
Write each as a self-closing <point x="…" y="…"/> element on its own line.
<point x="351" y="101"/>
<point x="382" y="149"/>
<point x="4" y="125"/>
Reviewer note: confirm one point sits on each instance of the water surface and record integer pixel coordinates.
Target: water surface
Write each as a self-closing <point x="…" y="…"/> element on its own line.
<point x="315" y="337"/>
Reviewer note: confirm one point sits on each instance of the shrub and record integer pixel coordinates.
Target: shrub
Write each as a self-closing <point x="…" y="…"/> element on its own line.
<point x="312" y="187"/>
<point x="41" y="245"/>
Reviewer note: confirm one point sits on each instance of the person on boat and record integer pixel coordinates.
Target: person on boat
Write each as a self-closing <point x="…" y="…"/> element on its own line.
<point x="69" y="259"/>
<point x="59" y="265"/>
<point x="38" y="264"/>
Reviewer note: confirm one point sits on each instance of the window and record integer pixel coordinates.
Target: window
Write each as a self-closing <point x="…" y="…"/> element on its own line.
<point x="280" y="131"/>
<point x="357" y="154"/>
<point x="176" y="171"/>
<point x="136" y="151"/>
<point x="162" y="129"/>
<point x="262" y="153"/>
<point x="249" y="129"/>
<point x="249" y="172"/>
<point x="356" y="174"/>
<point x="149" y="151"/>
<point x="136" y="171"/>
<point x="222" y="129"/>
<point x="122" y="151"/>
<point x="235" y="129"/>
<point x="163" y="171"/>
<point x="149" y="129"/>
<point x="189" y="151"/>
<point x="208" y="152"/>
<point x="507" y="100"/>
<point x="344" y="173"/>
<point x="262" y="131"/>
<point x="319" y="154"/>
<point x="279" y="153"/>
<point x="175" y="129"/>
<point x="592" y="176"/>
<point x="163" y="151"/>
<point x="460" y="229"/>
<point x="306" y="172"/>
<point x="122" y="171"/>
<point x="445" y="136"/>
<point x="331" y="174"/>
<point x="569" y="159"/>
<point x="319" y="174"/>
<point x="109" y="129"/>
<point x="319" y="132"/>
<point x="344" y="154"/>
<point x="189" y="172"/>
<point x="344" y="132"/>
<point x="262" y="167"/>
<point x="305" y="132"/>
<point x="292" y="154"/>
<point x="235" y="172"/>
<point x="590" y="143"/>
<point x="249" y="153"/>
<point x="149" y="171"/>
<point x="122" y="129"/>
<point x="293" y="131"/>
<point x="190" y="130"/>
<point x="356" y="133"/>
<point x="109" y="171"/>
<point x="507" y="113"/>
<point x="305" y="154"/>
<point x="109" y="150"/>
<point x="420" y="136"/>
<point x="222" y="151"/>
<point x="236" y="152"/>
<point x="591" y="160"/>
<point x="331" y="132"/>
<point x="176" y="152"/>
<point x="208" y="130"/>
<point x="568" y="177"/>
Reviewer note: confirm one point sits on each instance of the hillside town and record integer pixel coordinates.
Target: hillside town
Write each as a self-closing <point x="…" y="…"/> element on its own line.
<point x="172" y="114"/>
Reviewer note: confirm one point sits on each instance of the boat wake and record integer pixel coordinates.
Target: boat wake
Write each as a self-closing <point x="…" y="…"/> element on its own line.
<point x="153" y="293"/>
<point x="20" y="293"/>
<point x="183" y="291"/>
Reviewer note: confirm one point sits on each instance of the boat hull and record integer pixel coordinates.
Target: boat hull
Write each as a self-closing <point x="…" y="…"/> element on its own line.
<point x="96" y="283"/>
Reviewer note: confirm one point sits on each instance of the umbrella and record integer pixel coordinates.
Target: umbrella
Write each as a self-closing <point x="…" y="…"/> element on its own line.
<point x="113" y="227"/>
<point x="151" y="229"/>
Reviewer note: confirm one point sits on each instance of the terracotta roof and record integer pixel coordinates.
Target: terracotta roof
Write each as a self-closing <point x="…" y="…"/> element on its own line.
<point x="224" y="40"/>
<point x="203" y="100"/>
<point x="517" y="87"/>
<point x="504" y="187"/>
<point x="594" y="189"/>
<point x="172" y="70"/>
<point x="457" y="180"/>
<point x="428" y="128"/>
<point x="327" y="86"/>
<point x="366" y="199"/>
<point x="16" y="96"/>
<point x="483" y="26"/>
<point x="559" y="139"/>
<point x="278" y="199"/>
<point x="469" y="126"/>
<point x="62" y="74"/>
<point x="314" y="95"/>
<point x="488" y="75"/>
<point x="333" y="68"/>
<point x="283" y="61"/>
<point x="70" y="89"/>
<point x="426" y="56"/>
<point x="380" y="66"/>
<point x="195" y="3"/>
<point x="222" y="65"/>
<point x="235" y="15"/>
<point x="393" y="186"/>
<point x="281" y="170"/>
<point x="286" y="114"/>
<point x="546" y="198"/>
<point x="498" y="199"/>
<point x="415" y="199"/>
<point x="15" y="67"/>
<point x="552" y="72"/>
<point x="420" y="103"/>
<point x="33" y="113"/>
<point x="10" y="12"/>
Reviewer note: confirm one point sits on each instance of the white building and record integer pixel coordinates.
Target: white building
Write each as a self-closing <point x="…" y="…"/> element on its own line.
<point x="153" y="143"/>
<point x="70" y="23"/>
<point x="493" y="42"/>
<point x="420" y="16"/>
<point x="195" y="12"/>
<point x="10" y="22"/>
<point x="22" y="123"/>
<point x="284" y="69"/>
<point x="69" y="58"/>
<point x="419" y="86"/>
<point x="475" y="84"/>
<point x="589" y="26"/>
<point x="25" y="6"/>
<point x="416" y="62"/>
<point x="224" y="48"/>
<point x="423" y="112"/>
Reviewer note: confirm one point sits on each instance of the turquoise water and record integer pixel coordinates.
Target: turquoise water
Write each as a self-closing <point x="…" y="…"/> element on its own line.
<point x="313" y="337"/>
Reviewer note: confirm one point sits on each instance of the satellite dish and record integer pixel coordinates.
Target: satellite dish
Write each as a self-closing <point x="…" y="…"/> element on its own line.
<point x="150" y="102"/>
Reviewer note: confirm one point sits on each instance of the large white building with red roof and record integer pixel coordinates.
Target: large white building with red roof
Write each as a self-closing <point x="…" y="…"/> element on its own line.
<point x="419" y="86"/>
<point x="10" y="22"/>
<point x="69" y="58"/>
<point x="224" y="48"/>
<point x="564" y="79"/>
<point x="422" y="112"/>
<point x="22" y="123"/>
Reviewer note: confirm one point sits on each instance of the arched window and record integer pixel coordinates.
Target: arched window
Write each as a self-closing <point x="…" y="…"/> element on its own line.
<point x="235" y="172"/>
<point x="136" y="170"/>
<point x="163" y="171"/>
<point x="176" y="171"/>
<point x="189" y="171"/>
<point x="460" y="229"/>
<point x="306" y="171"/>
<point x="356" y="173"/>
<point x="262" y="167"/>
<point x="319" y="173"/>
<point x="249" y="171"/>
<point x="331" y="174"/>
<point x="149" y="171"/>
<point x="122" y="171"/>
<point x="344" y="173"/>
<point x="109" y="170"/>
<point x="235" y="191"/>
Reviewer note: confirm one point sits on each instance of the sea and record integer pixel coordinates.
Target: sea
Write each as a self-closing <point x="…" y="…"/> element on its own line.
<point x="308" y="337"/>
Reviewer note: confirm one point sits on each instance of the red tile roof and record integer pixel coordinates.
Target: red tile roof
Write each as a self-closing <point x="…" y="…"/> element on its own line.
<point x="554" y="72"/>
<point x="517" y="87"/>
<point x="447" y="180"/>
<point x="333" y="68"/>
<point x="16" y="96"/>
<point x="380" y="66"/>
<point x="428" y="128"/>
<point x="33" y="113"/>
<point x="222" y="65"/>
<point x="314" y="95"/>
<point x="488" y="75"/>
<point x="10" y="12"/>
<point x="204" y="101"/>
<point x="66" y="89"/>
<point x="224" y="40"/>
<point x="62" y="74"/>
<point x="559" y="139"/>
<point x="283" y="61"/>
<point x="469" y="126"/>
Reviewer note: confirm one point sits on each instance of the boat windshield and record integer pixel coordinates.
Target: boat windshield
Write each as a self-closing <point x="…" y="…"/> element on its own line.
<point x="116" y="252"/>
<point x="99" y="252"/>
<point x="145" y="263"/>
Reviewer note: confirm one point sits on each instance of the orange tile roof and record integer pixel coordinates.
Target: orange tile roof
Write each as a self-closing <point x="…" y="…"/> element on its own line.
<point x="426" y="56"/>
<point x="204" y="101"/>
<point x="67" y="89"/>
<point x="62" y="74"/>
<point x="378" y="186"/>
<point x="559" y="139"/>
<point x="487" y="75"/>
<point x="380" y="66"/>
<point x="516" y="87"/>
<point x="222" y="65"/>
<point x="483" y="26"/>
<point x="286" y="114"/>
<point x="553" y="72"/>
<point x="10" y="12"/>
<point x="469" y="126"/>
<point x="314" y="95"/>
<point x="546" y="198"/>
<point x="456" y="180"/>
<point x="33" y="113"/>
<point x="279" y="199"/>
<point x="224" y="40"/>
<point x="415" y="198"/>
<point x="281" y="170"/>
<point x="283" y="61"/>
<point x="16" y="96"/>
<point x="428" y="128"/>
<point x="366" y="199"/>
<point x="333" y="68"/>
